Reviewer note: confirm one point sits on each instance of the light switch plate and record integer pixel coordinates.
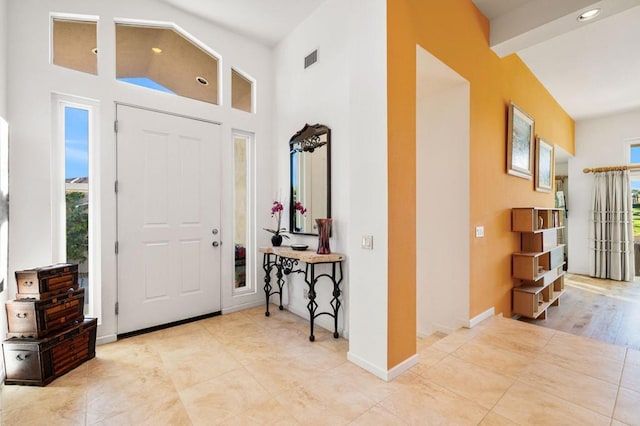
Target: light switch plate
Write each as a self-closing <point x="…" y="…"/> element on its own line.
<point x="479" y="231"/>
<point x="367" y="242"/>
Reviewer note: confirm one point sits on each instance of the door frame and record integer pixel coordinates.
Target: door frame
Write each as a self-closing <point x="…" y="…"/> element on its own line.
<point x="222" y="211"/>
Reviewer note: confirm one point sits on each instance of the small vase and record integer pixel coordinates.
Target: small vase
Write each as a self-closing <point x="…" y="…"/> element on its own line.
<point x="276" y="240"/>
<point x="324" y="230"/>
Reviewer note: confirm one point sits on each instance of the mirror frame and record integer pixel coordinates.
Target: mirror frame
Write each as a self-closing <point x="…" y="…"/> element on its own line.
<point x="303" y="141"/>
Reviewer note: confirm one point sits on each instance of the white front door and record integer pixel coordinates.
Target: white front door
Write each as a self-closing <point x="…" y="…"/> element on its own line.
<point x="168" y="218"/>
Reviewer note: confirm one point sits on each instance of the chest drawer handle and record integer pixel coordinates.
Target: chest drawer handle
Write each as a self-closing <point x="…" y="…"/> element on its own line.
<point x="19" y="357"/>
<point x="21" y="315"/>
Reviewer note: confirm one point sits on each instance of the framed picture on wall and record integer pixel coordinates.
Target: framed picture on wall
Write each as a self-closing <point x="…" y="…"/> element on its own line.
<point x="544" y="165"/>
<point x="520" y="143"/>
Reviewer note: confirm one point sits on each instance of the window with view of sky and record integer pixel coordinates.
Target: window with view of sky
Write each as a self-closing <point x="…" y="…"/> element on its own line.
<point x="76" y="164"/>
<point x="76" y="138"/>
<point x="635" y="159"/>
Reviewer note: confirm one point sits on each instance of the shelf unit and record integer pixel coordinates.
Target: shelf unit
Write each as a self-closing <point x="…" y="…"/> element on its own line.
<point x="538" y="268"/>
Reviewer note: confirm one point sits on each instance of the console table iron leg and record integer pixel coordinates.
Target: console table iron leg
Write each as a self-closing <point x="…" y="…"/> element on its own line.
<point x="267" y="266"/>
<point x="280" y="281"/>
<point x="312" y="306"/>
<point x="335" y="302"/>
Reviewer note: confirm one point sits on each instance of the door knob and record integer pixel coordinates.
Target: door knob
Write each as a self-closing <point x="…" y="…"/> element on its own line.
<point x="214" y="231"/>
<point x="215" y="244"/>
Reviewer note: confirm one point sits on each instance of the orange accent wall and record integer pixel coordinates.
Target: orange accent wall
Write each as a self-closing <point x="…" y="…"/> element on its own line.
<point x="458" y="34"/>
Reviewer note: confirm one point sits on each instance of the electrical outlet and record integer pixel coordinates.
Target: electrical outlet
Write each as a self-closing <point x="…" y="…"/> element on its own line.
<point x="479" y="231"/>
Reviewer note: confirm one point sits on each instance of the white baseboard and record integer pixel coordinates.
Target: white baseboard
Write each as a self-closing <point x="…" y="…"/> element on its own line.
<point x="481" y="317"/>
<point x="242" y="307"/>
<point x="443" y="329"/>
<point x="386" y="375"/>
<point x="103" y="340"/>
<point x="378" y="372"/>
<point x="402" y="367"/>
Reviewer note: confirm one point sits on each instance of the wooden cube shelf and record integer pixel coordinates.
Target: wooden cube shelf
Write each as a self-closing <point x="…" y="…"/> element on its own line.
<point x="538" y="268"/>
<point x="536" y="219"/>
<point x="532" y="266"/>
<point x="539" y="241"/>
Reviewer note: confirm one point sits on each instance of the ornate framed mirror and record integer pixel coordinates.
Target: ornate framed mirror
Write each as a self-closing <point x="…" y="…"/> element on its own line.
<point x="310" y="154"/>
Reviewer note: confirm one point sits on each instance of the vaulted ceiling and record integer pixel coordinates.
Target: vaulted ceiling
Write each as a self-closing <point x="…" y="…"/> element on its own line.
<point x="591" y="68"/>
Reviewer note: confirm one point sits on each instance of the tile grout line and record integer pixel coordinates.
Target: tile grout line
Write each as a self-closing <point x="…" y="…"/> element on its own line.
<point x="496" y="403"/>
<point x="513" y="381"/>
<point x="615" y="403"/>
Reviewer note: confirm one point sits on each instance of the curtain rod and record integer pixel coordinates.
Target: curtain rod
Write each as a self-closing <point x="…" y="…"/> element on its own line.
<point x="611" y="168"/>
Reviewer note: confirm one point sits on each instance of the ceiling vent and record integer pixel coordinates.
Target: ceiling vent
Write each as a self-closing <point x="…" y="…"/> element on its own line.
<point x="311" y="59"/>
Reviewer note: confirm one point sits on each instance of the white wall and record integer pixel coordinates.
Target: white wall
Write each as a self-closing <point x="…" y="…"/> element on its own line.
<point x="34" y="80"/>
<point x="345" y="90"/>
<point x="442" y="197"/>
<point x="4" y="34"/>
<point x="4" y="41"/>
<point x="561" y="169"/>
<point x="319" y="94"/>
<point x="4" y="227"/>
<point x="600" y="142"/>
<point x="367" y="178"/>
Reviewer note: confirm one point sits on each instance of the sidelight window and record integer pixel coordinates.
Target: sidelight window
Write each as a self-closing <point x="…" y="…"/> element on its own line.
<point x="75" y="195"/>
<point x="242" y="234"/>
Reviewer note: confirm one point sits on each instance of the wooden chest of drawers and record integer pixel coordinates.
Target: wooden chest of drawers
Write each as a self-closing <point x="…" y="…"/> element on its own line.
<point x="39" y="361"/>
<point x="42" y="283"/>
<point x="38" y="318"/>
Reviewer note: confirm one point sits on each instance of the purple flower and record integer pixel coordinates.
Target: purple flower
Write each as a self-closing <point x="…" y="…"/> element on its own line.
<point x="299" y="207"/>
<point x="276" y="211"/>
<point x="276" y="208"/>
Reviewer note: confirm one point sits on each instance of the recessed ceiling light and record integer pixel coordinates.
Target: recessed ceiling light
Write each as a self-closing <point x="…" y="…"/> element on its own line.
<point x="156" y="50"/>
<point x="94" y="50"/>
<point x="588" y="15"/>
<point x="202" y="80"/>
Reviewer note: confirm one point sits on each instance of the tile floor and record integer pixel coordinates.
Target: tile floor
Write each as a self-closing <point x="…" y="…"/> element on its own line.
<point x="245" y="369"/>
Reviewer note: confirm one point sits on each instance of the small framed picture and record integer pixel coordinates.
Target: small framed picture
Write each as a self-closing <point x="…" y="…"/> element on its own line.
<point x="544" y="165"/>
<point x="520" y="143"/>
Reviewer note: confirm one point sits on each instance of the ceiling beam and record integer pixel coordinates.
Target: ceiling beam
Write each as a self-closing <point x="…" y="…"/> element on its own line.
<point x="540" y="20"/>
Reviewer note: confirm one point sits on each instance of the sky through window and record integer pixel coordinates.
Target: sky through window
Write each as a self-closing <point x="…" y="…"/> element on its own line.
<point x="76" y="142"/>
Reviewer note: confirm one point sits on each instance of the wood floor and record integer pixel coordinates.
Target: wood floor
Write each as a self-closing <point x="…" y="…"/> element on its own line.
<point x="608" y="311"/>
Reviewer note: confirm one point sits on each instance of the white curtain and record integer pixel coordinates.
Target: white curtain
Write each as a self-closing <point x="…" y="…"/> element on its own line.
<point x="611" y="225"/>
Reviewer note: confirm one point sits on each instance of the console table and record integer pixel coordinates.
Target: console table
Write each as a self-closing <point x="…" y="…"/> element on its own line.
<point x="285" y="259"/>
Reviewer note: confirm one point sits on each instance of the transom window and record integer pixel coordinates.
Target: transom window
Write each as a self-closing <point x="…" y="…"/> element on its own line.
<point x="75" y="45"/>
<point x="163" y="59"/>
<point x="634" y="153"/>
<point x="241" y="92"/>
